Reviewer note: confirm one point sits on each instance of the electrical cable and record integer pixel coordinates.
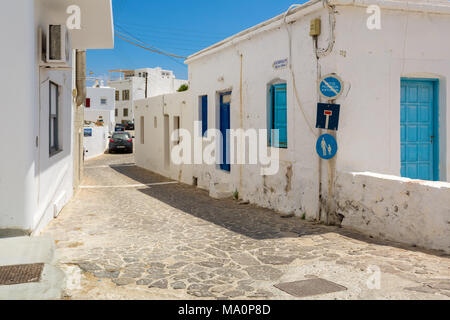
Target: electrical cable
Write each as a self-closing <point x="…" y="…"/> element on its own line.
<point x="129" y="35"/>
<point x="294" y="85"/>
<point x="124" y="37"/>
<point x="332" y="24"/>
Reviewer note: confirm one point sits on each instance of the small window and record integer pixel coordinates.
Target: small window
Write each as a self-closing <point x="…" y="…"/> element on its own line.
<point x="103" y="101"/>
<point x="54" y="118"/>
<point x="116" y="113"/>
<point x="204" y="114"/>
<point x="88" y="102"/>
<point x="126" y="95"/>
<point x="117" y="95"/>
<point x="142" y="129"/>
<point x="125" y="112"/>
<point x="278" y="116"/>
<point x="155" y="122"/>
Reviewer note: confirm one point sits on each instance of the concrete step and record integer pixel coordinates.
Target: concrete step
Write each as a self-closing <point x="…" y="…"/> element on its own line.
<point x="220" y="191"/>
<point x="30" y="250"/>
<point x="26" y="250"/>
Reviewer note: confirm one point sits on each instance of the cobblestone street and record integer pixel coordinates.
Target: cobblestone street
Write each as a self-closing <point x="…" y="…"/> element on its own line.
<point x="132" y="234"/>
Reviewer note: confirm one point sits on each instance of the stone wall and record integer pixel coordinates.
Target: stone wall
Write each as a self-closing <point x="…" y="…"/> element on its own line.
<point x="408" y="211"/>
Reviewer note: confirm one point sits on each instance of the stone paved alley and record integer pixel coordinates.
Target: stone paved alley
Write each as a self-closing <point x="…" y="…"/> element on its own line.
<point x="171" y="241"/>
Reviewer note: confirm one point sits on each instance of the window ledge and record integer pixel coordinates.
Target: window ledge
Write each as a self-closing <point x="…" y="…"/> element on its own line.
<point x="55" y="152"/>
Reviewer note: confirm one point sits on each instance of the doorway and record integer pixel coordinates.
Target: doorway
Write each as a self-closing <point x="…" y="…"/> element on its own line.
<point x="225" y="103"/>
<point x="419" y="123"/>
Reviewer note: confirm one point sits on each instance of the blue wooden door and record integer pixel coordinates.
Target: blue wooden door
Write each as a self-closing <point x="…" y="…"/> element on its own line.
<point x="418" y="131"/>
<point x="225" y="100"/>
<point x="279" y="116"/>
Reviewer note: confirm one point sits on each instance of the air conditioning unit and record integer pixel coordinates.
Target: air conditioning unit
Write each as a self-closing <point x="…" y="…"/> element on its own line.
<point x="55" y="46"/>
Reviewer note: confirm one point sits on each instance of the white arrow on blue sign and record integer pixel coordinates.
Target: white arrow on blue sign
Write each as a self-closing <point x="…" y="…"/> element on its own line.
<point x="331" y="87"/>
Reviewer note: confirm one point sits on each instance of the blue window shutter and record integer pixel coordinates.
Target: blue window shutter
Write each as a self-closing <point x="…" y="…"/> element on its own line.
<point x="204" y="115"/>
<point x="279" y="116"/>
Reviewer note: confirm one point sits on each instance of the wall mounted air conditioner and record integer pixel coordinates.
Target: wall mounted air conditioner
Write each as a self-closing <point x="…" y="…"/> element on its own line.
<point x="55" y="46"/>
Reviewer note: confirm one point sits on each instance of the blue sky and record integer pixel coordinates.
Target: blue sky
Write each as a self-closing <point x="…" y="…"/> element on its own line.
<point x="179" y="27"/>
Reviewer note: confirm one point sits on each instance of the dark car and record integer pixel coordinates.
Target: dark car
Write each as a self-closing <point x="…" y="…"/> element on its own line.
<point x="121" y="141"/>
<point x="119" y="128"/>
<point x="129" y="125"/>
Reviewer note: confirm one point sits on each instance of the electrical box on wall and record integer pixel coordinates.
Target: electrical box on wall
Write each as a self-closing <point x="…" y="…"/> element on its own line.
<point x="315" y="27"/>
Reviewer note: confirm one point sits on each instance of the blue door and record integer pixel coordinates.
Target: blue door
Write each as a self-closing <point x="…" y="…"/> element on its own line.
<point x="419" y="130"/>
<point x="225" y="100"/>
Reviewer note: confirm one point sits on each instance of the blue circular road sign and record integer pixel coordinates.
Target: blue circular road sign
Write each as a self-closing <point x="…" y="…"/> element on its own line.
<point x="331" y="87"/>
<point x="326" y="147"/>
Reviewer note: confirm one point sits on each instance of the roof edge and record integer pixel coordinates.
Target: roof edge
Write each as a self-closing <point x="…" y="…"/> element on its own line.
<point x="268" y="24"/>
<point x="313" y="5"/>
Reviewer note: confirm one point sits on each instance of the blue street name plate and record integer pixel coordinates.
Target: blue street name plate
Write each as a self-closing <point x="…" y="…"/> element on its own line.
<point x="331" y="87"/>
<point x="326" y="147"/>
<point x="328" y="116"/>
<point x="280" y="64"/>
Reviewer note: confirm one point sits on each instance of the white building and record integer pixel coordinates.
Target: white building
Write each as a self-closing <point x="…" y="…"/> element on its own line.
<point x="99" y="119"/>
<point x="41" y="164"/>
<point x="394" y="117"/>
<point x="140" y="84"/>
<point x="100" y="102"/>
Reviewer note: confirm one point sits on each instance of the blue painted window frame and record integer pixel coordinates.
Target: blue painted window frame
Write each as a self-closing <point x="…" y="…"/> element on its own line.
<point x="204" y="114"/>
<point x="436" y="158"/>
<point x="283" y="138"/>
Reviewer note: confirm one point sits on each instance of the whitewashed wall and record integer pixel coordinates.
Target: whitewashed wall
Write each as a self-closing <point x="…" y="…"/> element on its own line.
<point x="17" y="170"/>
<point x="295" y="187"/>
<point x="393" y="208"/>
<point x="151" y="154"/>
<point x="408" y="45"/>
<point x="34" y="186"/>
<point x="96" y="145"/>
<point x="98" y="93"/>
<point x="371" y="63"/>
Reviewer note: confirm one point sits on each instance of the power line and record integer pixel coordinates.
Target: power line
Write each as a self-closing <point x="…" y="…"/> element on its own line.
<point x="131" y="36"/>
<point x="179" y="31"/>
<point x="124" y="37"/>
<point x="145" y="41"/>
<point x="179" y="40"/>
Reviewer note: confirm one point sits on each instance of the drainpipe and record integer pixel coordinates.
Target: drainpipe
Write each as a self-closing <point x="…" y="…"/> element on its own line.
<point x="81" y="77"/>
<point x="241" y="120"/>
<point x="326" y="204"/>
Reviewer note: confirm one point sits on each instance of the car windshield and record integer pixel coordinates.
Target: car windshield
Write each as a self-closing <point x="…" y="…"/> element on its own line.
<point x="121" y="136"/>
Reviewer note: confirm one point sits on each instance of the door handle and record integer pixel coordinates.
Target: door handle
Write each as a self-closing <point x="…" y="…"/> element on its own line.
<point x="432" y="139"/>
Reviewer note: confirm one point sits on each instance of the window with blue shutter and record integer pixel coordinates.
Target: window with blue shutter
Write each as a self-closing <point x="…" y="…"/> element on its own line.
<point x="204" y="113"/>
<point x="278" y="116"/>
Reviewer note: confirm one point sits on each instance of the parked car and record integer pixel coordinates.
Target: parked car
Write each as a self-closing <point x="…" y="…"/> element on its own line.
<point x="129" y="125"/>
<point x="119" y="128"/>
<point x="121" y="141"/>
